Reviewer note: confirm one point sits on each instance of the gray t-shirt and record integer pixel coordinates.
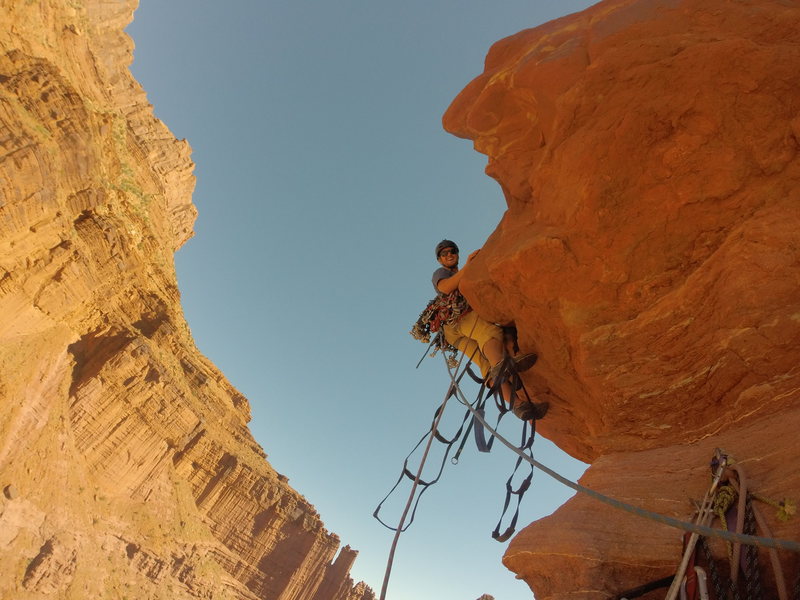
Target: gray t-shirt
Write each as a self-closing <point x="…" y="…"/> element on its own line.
<point x="438" y="275"/>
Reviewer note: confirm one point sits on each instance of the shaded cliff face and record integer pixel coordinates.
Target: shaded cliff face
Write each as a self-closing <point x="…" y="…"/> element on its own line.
<point x="126" y="465"/>
<point x="648" y="152"/>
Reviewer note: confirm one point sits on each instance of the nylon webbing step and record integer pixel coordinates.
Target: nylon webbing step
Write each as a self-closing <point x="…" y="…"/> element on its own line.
<point x="468" y="424"/>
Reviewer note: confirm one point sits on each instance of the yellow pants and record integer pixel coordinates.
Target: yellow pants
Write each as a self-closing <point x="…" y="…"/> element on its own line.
<point x="470" y="334"/>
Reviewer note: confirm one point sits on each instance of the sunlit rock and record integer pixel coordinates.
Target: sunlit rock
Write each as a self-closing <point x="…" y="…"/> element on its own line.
<point x="648" y="152"/>
<point x="126" y="464"/>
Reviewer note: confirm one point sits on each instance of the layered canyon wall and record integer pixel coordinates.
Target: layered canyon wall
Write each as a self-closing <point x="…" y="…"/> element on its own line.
<point x="126" y="466"/>
<point x="648" y="153"/>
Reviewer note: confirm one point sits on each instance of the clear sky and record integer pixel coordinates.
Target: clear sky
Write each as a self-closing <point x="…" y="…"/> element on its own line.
<point x="324" y="181"/>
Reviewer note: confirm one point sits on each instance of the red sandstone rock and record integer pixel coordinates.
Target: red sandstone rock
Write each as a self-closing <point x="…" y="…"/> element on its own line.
<point x="648" y="152"/>
<point x="125" y="459"/>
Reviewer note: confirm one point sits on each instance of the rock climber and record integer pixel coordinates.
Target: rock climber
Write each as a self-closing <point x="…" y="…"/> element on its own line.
<point x="478" y="339"/>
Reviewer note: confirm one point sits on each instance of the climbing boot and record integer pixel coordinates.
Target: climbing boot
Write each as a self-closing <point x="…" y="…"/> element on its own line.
<point x="523" y="362"/>
<point x="530" y="411"/>
<point x="509" y="364"/>
<point x="510" y="368"/>
<point x="491" y="376"/>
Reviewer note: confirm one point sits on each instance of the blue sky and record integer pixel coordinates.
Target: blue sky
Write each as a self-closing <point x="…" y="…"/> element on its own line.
<point x="324" y="181"/>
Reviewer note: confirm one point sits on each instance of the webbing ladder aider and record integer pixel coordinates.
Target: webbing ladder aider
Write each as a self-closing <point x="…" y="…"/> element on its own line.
<point x="525" y="454"/>
<point x="468" y="423"/>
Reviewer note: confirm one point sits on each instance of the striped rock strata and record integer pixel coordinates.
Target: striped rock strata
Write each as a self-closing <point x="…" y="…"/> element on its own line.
<point x="126" y="465"/>
<point x="649" y="155"/>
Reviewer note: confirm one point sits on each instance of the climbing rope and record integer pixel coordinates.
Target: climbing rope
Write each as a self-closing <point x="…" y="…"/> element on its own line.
<point x="796" y="588"/>
<point x="483" y="446"/>
<point x="417" y="481"/>
<point x="752" y="576"/>
<point x="716" y="580"/>
<point x="434" y="434"/>
<point x="405" y="473"/>
<point x="704" y="517"/>
<point x="524" y="453"/>
<point x="733" y="504"/>
<point x="753" y="540"/>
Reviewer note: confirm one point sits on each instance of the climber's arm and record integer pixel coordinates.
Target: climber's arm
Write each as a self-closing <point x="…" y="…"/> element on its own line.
<point x="450" y="284"/>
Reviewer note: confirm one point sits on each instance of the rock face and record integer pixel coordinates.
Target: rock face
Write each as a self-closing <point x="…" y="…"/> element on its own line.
<point x="648" y="152"/>
<point x="126" y="465"/>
